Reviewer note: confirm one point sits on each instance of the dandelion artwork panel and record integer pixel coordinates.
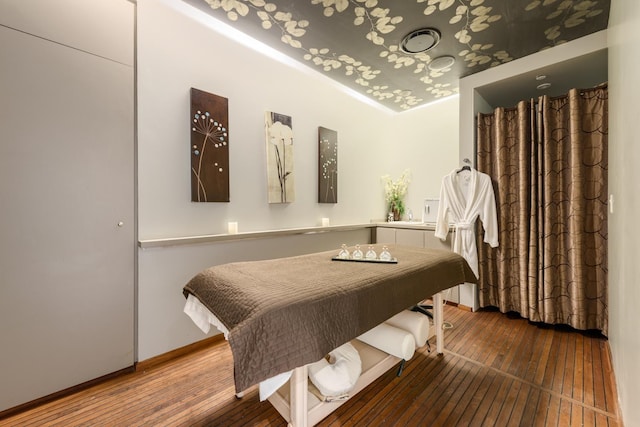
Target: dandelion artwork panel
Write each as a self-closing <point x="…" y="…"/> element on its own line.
<point x="279" y="145"/>
<point x="328" y="165"/>
<point x="209" y="147"/>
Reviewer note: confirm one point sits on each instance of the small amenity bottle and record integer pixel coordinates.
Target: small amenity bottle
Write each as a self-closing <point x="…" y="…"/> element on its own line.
<point x="371" y="254"/>
<point x="357" y="253"/>
<point x="385" y="255"/>
<point x="344" y="252"/>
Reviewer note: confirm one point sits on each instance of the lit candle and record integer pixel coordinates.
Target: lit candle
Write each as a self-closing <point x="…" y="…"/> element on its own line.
<point x="233" y="228"/>
<point x="325" y="222"/>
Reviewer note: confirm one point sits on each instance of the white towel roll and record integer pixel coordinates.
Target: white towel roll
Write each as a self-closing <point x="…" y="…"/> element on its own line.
<point x="338" y="375"/>
<point x="391" y="340"/>
<point x="417" y="324"/>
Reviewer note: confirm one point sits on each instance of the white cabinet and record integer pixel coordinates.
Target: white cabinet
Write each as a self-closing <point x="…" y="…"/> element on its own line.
<point x="422" y="238"/>
<point x="386" y="235"/>
<point x="410" y="237"/>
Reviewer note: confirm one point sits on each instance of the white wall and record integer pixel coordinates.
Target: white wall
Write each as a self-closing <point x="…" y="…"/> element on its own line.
<point x="422" y="140"/>
<point x="624" y="229"/>
<point x="180" y="47"/>
<point x="193" y="55"/>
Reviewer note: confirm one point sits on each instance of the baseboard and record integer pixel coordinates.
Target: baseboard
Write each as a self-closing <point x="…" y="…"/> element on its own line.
<point x="464" y="307"/>
<point x="62" y="393"/>
<point x="178" y="352"/>
<point x="139" y="366"/>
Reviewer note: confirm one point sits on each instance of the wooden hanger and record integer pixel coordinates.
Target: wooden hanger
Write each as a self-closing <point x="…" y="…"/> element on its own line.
<point x="465" y="167"/>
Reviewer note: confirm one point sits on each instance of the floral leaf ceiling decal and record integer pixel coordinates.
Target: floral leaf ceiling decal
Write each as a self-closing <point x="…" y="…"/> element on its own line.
<point x="357" y="42"/>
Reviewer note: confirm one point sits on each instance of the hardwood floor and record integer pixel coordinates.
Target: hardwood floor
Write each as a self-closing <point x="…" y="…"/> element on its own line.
<point x="496" y="371"/>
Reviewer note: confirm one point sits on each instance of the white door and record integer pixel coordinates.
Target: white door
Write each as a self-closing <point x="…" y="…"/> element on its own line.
<point x="67" y="245"/>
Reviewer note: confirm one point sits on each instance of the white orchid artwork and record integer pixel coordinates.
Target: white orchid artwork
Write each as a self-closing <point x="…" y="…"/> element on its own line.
<point x="279" y="136"/>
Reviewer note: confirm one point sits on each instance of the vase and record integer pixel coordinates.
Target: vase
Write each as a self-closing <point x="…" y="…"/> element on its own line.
<point x="396" y="214"/>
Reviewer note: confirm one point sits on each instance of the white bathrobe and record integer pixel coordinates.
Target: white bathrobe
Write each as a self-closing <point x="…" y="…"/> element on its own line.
<point x="465" y="196"/>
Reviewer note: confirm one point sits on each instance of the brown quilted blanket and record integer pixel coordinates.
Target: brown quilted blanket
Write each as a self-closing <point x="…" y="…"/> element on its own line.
<point x="288" y="312"/>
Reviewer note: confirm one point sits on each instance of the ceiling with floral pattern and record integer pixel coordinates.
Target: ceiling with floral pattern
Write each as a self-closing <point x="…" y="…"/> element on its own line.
<point x="357" y="42"/>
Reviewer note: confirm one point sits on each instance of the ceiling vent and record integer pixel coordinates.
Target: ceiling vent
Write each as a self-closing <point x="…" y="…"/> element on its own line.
<point x="420" y="40"/>
<point x="441" y="63"/>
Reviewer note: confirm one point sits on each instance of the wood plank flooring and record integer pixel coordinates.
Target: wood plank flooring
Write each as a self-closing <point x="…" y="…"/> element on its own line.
<point x="497" y="370"/>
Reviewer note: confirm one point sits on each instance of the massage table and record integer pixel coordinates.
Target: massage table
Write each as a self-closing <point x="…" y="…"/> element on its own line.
<point x="281" y="315"/>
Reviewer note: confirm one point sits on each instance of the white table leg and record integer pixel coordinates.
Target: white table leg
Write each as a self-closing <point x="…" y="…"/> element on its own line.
<point x="298" y="399"/>
<point x="438" y="322"/>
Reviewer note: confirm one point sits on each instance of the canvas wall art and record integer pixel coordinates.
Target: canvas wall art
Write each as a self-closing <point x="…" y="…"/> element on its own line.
<point x="280" y="165"/>
<point x="209" y="147"/>
<point x="328" y="165"/>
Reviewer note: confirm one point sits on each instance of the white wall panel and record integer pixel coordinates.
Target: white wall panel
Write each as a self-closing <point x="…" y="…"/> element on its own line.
<point x="624" y="227"/>
<point x="66" y="181"/>
<point x="99" y="27"/>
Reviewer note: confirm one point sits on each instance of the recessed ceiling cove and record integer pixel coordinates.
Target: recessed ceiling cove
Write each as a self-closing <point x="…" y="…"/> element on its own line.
<point x="358" y="43"/>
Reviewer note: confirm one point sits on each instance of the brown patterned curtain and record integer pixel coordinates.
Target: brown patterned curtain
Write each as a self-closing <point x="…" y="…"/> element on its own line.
<point x="548" y="162"/>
